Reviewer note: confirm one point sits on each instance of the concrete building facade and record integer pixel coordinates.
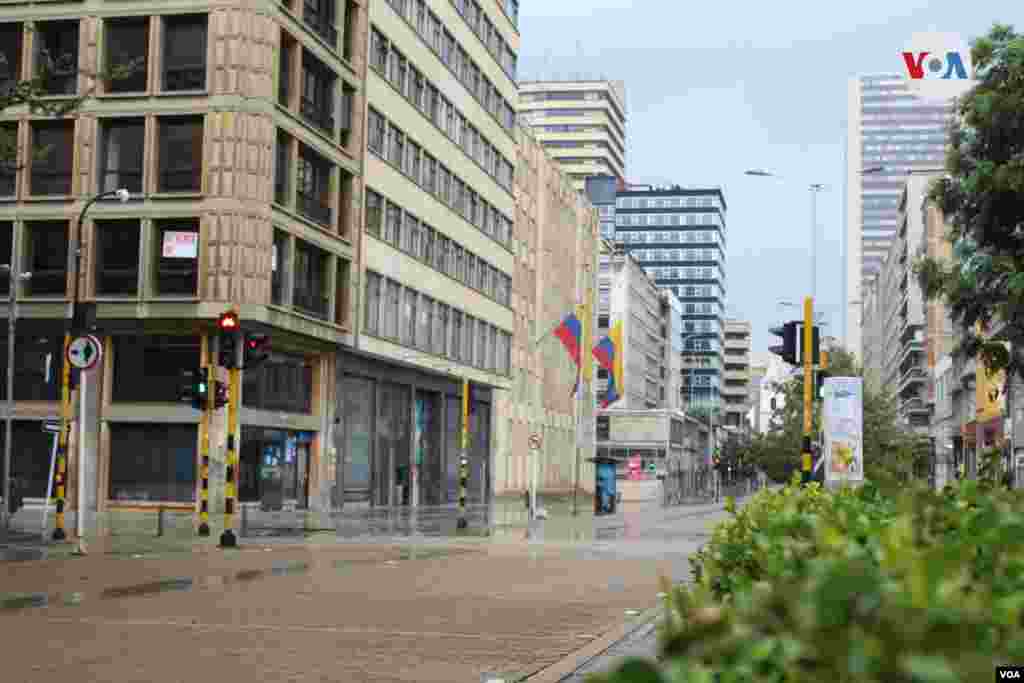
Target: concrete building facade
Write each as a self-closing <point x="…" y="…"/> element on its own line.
<point x="240" y="139"/>
<point x="889" y="132"/>
<point x="736" y="375"/>
<point x="555" y="268"/>
<point x="582" y="124"/>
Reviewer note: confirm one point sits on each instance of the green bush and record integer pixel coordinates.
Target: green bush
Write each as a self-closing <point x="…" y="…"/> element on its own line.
<point x="805" y="584"/>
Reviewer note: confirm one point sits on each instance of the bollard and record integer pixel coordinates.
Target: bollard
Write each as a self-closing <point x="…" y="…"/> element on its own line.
<point x="160" y="521"/>
<point x="463" y="481"/>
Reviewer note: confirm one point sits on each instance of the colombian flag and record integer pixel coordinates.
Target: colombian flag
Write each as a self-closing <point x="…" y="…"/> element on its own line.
<point x="569" y="333"/>
<point x="608" y="353"/>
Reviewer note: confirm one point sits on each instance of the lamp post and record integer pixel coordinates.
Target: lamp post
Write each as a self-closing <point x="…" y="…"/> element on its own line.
<point x="14" y="277"/>
<point x="77" y="325"/>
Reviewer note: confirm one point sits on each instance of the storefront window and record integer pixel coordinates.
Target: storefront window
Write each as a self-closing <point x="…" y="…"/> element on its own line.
<point x="284" y="383"/>
<point x="275" y="467"/>
<point x="355" y="404"/>
<point x="391" y="456"/>
<point x="148" y="369"/>
<point x="30" y="457"/>
<point x="427" y="445"/>
<point x="153" y="462"/>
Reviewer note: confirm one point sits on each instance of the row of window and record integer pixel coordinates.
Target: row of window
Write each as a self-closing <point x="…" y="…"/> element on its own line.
<point x="387" y="221"/>
<point x="316" y="97"/>
<point x="303" y="182"/>
<point x="283" y="383"/>
<point x="392" y="145"/>
<point x="404" y="315"/>
<point x="174" y="167"/>
<point x="696" y="291"/>
<point x="426" y="97"/>
<point x="487" y="32"/>
<point x="677" y="236"/>
<point x="682" y="273"/>
<point x="431" y="29"/>
<point x="692" y="201"/>
<point x="319" y="15"/>
<point x="677" y="255"/>
<point x="171" y="266"/>
<point x="301" y="277"/>
<point x="124" y="53"/>
<point x="668" y="219"/>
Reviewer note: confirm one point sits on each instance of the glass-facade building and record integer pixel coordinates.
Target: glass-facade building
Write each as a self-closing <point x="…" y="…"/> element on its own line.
<point x="678" y="235"/>
<point x="890" y="132"/>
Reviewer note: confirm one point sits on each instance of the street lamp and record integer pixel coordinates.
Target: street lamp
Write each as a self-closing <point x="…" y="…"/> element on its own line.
<point x="14" y="277"/>
<point x="77" y="325"/>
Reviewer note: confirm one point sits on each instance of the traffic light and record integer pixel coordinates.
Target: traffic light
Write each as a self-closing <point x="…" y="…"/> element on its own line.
<point x="472" y="398"/>
<point x="788" y="347"/>
<point x="228" y="328"/>
<point x="194" y="389"/>
<point x="821" y="376"/>
<point x="256" y="350"/>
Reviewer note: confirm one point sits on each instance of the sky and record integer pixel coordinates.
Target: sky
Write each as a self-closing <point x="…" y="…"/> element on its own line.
<point x="716" y="88"/>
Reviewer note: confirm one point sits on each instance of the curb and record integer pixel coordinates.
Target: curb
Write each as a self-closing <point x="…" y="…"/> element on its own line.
<point x="572" y="663"/>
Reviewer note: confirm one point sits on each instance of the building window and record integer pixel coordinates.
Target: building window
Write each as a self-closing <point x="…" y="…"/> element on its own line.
<point x="319" y="16"/>
<point x="57" y="57"/>
<point x="424" y="322"/>
<point x="374" y="213"/>
<point x="389" y="324"/>
<point x="407" y="319"/>
<point x="148" y="369"/>
<point x="373" y="296"/>
<point x="455" y="347"/>
<point x="181" y="154"/>
<point x="128" y="53"/>
<point x="51" y="169"/>
<point x="46" y="257"/>
<point x="177" y="269"/>
<point x="440" y="332"/>
<point x="283" y="383"/>
<point x="6" y="252"/>
<point x="184" y="59"/>
<point x="8" y="153"/>
<point x="348" y="96"/>
<point x="280" y="260"/>
<point x="283" y="169"/>
<point x="311" y="270"/>
<point x="121" y="154"/>
<point x="10" y="56"/>
<point x="117" y="257"/>
<point x="313" y="180"/>
<point x="153" y="462"/>
<point x="317" y="101"/>
<point x="377" y="132"/>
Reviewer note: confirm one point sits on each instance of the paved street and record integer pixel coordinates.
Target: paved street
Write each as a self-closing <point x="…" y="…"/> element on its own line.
<point x="352" y="607"/>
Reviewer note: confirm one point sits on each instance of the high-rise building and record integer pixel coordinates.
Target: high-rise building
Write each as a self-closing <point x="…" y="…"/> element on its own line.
<point x="736" y="374"/>
<point x="582" y="124"/>
<point x="889" y="131"/>
<point x="438" y="253"/>
<point x="678" y="237"/>
<point x="239" y="137"/>
<point x="601" y="190"/>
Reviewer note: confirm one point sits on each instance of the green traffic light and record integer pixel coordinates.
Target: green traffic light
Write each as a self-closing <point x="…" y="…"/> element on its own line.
<point x="202" y="387"/>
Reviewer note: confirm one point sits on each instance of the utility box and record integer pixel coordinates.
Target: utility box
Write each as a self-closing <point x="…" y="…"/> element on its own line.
<point x="605" y="493"/>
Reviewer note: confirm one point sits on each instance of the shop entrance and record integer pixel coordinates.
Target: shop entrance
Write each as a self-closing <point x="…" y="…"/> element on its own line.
<point x="275" y="468"/>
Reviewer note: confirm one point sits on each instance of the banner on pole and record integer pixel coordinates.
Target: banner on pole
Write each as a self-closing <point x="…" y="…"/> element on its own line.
<point x="843" y="422"/>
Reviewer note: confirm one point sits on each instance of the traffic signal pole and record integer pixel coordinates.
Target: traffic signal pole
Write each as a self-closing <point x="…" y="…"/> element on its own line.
<point x="62" y="444"/>
<point x="808" y="348"/>
<point x="205" y="419"/>
<point x="228" y="538"/>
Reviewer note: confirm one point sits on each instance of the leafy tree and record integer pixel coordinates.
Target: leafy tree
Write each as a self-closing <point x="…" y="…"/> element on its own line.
<point x="981" y="198"/>
<point x="891" y="453"/>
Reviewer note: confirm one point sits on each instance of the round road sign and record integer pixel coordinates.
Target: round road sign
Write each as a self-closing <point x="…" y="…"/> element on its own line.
<point x="85" y="352"/>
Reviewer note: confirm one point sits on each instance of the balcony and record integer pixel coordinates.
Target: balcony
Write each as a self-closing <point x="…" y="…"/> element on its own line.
<point x="736" y="375"/>
<point x="913" y="405"/>
<point x="915" y="376"/>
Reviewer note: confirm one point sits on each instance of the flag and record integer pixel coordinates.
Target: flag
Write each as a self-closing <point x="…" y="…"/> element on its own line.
<point x="608" y="353"/>
<point x="569" y="334"/>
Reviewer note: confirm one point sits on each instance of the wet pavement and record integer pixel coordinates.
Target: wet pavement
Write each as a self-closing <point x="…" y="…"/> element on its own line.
<point x="383" y="596"/>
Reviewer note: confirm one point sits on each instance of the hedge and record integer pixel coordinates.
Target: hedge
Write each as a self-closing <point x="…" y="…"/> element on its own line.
<point x="805" y="584"/>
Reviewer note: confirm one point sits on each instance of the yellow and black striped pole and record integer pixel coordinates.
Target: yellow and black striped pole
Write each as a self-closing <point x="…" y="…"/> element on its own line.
<point x="205" y="419"/>
<point x="464" y="456"/>
<point x="808" y="361"/>
<point x="60" y="478"/>
<point x="228" y="538"/>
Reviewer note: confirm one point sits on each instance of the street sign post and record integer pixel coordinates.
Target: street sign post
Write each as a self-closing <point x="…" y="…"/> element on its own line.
<point x="85" y="352"/>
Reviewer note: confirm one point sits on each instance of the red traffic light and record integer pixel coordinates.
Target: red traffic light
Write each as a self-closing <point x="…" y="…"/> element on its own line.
<point x="228" y="321"/>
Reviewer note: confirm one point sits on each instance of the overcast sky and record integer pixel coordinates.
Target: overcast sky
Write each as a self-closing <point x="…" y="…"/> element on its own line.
<point x="715" y="88"/>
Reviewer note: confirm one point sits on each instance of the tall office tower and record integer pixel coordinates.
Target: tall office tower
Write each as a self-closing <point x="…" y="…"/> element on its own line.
<point x="216" y="219"/>
<point x="582" y="124"/>
<point x="889" y="131"/>
<point x="677" y="235"/>
<point x="438" y="247"/>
